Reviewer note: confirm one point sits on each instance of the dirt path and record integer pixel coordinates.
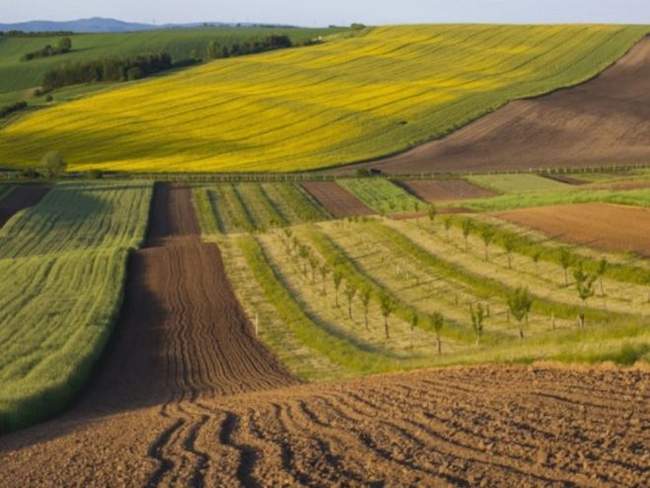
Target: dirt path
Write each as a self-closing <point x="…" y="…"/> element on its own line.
<point x="185" y="398"/>
<point x="19" y="198"/>
<point x="605" y="121"/>
<point x="616" y="228"/>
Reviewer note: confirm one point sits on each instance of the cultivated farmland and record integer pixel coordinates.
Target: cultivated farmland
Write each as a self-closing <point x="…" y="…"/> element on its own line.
<point x="246" y="207"/>
<point x="445" y="190"/>
<point x="63" y="264"/>
<point x="604" y="226"/>
<point x="382" y="195"/>
<point x="342" y="101"/>
<point x="338" y="201"/>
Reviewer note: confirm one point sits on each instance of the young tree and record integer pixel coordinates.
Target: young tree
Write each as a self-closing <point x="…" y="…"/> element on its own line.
<point x="338" y="277"/>
<point x="303" y="253"/>
<point x="324" y="273"/>
<point x="415" y="319"/>
<point x="447" y="222"/>
<point x="585" y="287"/>
<point x="350" y="293"/>
<point x="509" y="246"/>
<point x="487" y="236"/>
<point x="64" y="45"/>
<point x="536" y="257"/>
<point x="520" y="303"/>
<point x="437" y="321"/>
<point x="467" y="230"/>
<point x="566" y="260"/>
<point x="364" y="295"/>
<point x="54" y="164"/>
<point x="432" y="212"/>
<point x="477" y="315"/>
<point x="387" y="307"/>
<point x="600" y="271"/>
<point x="313" y="265"/>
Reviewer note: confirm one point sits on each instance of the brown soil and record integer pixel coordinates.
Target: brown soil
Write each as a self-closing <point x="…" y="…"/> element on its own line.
<point x="337" y="200"/>
<point x="184" y="400"/>
<point x="605" y="121"/>
<point x="19" y="198"/>
<point x="602" y="226"/>
<point x="456" y="427"/>
<point x="445" y="190"/>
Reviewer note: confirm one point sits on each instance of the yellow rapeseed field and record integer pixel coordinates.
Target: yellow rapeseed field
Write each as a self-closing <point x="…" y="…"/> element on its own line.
<point x="342" y="101"/>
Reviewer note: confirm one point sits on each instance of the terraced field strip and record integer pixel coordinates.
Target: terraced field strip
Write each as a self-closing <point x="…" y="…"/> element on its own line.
<point x="382" y="195"/>
<point x="423" y="428"/>
<point x="64" y="263"/>
<point x="517" y="183"/>
<point x="336" y="200"/>
<point x="241" y="207"/>
<point x="445" y="190"/>
<point x="319" y="106"/>
<point x="17" y="198"/>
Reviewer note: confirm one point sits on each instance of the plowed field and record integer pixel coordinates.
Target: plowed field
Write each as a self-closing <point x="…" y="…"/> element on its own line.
<point x="608" y="227"/>
<point x="188" y="397"/>
<point x="337" y="200"/>
<point x="441" y="190"/>
<point x="604" y="121"/>
<point x="459" y="427"/>
<point x="20" y="198"/>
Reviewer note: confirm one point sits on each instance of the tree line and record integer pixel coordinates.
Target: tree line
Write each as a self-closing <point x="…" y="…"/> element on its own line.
<point x="19" y="33"/>
<point x="62" y="47"/>
<point x="274" y="41"/>
<point x="108" y="69"/>
<point x="10" y="109"/>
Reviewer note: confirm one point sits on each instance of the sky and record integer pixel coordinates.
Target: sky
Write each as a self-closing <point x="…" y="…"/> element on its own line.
<point x="340" y="12"/>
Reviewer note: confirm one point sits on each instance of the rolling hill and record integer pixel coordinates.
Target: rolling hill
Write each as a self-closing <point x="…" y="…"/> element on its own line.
<point x="343" y="101"/>
<point x="18" y="78"/>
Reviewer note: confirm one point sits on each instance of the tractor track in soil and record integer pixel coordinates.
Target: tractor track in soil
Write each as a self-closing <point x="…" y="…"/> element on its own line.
<point x="187" y="397"/>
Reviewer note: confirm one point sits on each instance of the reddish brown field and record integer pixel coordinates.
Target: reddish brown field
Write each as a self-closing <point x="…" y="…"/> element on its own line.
<point x="337" y="200"/>
<point x="604" y="121"/>
<point x="188" y="397"/>
<point x="19" y="198"/>
<point x="603" y="226"/>
<point x="444" y="190"/>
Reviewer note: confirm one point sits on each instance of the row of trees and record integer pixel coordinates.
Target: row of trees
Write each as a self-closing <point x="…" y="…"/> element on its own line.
<point x="10" y="109"/>
<point x="216" y="50"/>
<point x="110" y="69"/>
<point x="520" y="301"/>
<point x="62" y="47"/>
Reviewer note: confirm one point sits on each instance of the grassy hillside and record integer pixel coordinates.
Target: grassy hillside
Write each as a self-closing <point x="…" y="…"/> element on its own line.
<point x="63" y="264"/>
<point x="18" y="77"/>
<point x="339" y="102"/>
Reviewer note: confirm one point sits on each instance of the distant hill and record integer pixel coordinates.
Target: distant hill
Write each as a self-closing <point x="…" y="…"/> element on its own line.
<point x="102" y="25"/>
<point x="96" y="24"/>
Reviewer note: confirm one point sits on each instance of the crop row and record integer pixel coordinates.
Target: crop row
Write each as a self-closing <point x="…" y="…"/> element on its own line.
<point x="248" y="207"/>
<point x="63" y="264"/>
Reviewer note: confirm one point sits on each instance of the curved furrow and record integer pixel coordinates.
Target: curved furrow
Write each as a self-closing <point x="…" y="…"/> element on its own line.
<point x="464" y="444"/>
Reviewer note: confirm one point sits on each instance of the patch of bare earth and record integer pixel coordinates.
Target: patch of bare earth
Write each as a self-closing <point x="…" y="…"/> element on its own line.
<point x="603" y="122"/>
<point x="337" y="200"/>
<point x="603" y="226"/>
<point x="188" y="397"/>
<point x="20" y="198"/>
<point x="445" y="190"/>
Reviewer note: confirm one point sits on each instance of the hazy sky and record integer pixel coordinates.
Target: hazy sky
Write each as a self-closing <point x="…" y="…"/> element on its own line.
<point x="323" y="12"/>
